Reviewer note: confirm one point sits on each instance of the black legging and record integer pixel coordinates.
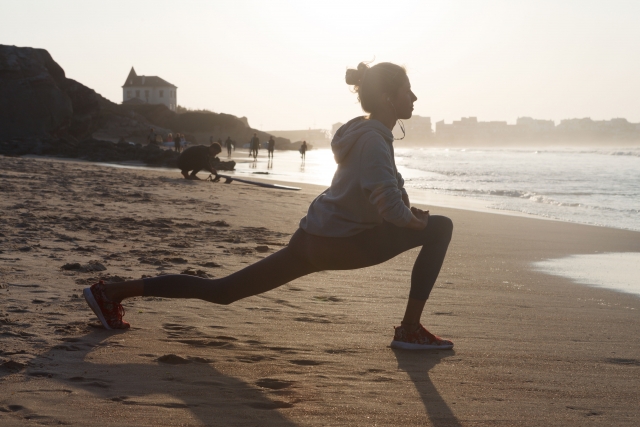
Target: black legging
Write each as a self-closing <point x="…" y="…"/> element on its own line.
<point x="307" y="254"/>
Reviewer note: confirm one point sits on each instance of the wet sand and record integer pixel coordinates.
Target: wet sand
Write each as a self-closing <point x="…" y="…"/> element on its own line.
<point x="530" y="349"/>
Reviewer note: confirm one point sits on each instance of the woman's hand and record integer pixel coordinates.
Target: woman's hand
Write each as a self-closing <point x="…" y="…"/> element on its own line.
<point x="419" y="220"/>
<point x="418" y="212"/>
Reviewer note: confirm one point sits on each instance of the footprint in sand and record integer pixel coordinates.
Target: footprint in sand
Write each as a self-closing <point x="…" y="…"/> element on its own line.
<point x="40" y="374"/>
<point x="205" y="343"/>
<point x="225" y="338"/>
<point x="382" y="379"/>
<point x="627" y="362"/>
<point x="338" y="351"/>
<point x="252" y="359"/>
<point x="173" y="359"/>
<point x="273" y="384"/>
<point x="311" y="320"/>
<point x="305" y="362"/>
<point x="170" y="405"/>
<point x="66" y="347"/>
<point x="283" y="350"/>
<point x="200" y="359"/>
<point x="173" y="327"/>
<point x="327" y="298"/>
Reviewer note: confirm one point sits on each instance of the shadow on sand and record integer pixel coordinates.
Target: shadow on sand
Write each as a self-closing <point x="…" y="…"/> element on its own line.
<point x="151" y="393"/>
<point x="417" y="365"/>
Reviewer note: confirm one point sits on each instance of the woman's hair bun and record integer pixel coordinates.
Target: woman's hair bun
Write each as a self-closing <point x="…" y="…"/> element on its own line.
<point x="354" y="77"/>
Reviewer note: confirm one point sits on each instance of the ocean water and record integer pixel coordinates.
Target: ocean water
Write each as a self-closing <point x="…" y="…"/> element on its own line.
<point x="588" y="186"/>
<point x="617" y="271"/>
<point x="594" y="186"/>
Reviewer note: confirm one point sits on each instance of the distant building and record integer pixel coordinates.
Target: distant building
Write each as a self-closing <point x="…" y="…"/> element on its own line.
<point x="535" y="125"/>
<point x="149" y="90"/>
<point x="418" y="129"/>
<point x="471" y="130"/>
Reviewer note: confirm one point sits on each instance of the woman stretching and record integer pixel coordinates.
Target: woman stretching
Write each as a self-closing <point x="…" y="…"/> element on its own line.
<point x="364" y="218"/>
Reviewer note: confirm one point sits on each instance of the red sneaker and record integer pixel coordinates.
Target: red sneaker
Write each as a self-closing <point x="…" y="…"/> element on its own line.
<point x="109" y="312"/>
<point x="420" y="339"/>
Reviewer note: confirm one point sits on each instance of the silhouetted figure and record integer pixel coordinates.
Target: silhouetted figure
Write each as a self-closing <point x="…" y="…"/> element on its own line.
<point x="197" y="158"/>
<point x="271" y="146"/>
<point x="176" y="143"/>
<point x="254" y="145"/>
<point x="303" y="150"/>
<point x="229" y="144"/>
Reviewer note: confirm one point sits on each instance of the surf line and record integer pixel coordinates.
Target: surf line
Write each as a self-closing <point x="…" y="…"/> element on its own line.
<point x="229" y="179"/>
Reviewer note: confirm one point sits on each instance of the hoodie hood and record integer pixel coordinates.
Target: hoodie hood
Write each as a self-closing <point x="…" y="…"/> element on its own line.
<point x="350" y="132"/>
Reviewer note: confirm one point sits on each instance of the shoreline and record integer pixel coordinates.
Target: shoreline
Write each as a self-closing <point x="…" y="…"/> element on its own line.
<point x="420" y="197"/>
<point x="530" y="349"/>
<point x="561" y="266"/>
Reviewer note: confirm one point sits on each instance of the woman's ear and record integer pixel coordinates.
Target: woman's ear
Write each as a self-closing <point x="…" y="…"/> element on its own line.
<point x="385" y="100"/>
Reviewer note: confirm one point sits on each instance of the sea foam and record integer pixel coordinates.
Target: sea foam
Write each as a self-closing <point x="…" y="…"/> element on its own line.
<point x="616" y="271"/>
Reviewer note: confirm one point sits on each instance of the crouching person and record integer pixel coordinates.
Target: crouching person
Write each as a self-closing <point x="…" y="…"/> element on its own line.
<point x="196" y="158"/>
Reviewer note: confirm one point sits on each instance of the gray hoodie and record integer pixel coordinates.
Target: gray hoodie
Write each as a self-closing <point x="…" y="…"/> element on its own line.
<point x="366" y="188"/>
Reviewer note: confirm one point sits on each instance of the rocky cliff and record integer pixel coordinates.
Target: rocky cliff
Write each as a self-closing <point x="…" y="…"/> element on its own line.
<point x="44" y="112"/>
<point x="38" y="101"/>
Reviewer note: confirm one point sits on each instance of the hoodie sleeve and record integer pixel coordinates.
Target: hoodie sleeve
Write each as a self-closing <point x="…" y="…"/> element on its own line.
<point x="379" y="181"/>
<point x="401" y="183"/>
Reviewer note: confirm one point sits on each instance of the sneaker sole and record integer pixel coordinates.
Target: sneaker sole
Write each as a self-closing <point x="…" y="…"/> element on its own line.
<point x="410" y="346"/>
<point x="88" y="296"/>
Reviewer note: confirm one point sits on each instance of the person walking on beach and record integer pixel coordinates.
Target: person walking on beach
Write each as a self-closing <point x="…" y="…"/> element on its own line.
<point x="197" y="158"/>
<point x="271" y="146"/>
<point x="303" y="150"/>
<point x="176" y="143"/>
<point x="254" y="145"/>
<point x="229" y="143"/>
<point x="364" y="218"/>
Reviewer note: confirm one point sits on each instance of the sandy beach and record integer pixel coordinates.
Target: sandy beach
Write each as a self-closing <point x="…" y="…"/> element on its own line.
<point x="530" y="349"/>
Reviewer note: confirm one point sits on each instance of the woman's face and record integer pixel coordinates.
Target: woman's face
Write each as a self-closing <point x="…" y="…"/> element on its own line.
<point x="403" y="101"/>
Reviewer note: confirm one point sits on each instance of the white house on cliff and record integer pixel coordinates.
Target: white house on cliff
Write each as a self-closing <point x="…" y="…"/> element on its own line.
<point x="149" y="90"/>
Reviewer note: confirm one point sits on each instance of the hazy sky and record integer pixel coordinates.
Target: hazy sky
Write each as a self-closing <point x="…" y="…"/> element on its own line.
<point x="282" y="63"/>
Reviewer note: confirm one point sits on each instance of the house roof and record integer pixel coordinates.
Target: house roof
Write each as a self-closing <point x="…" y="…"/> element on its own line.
<point x="135" y="80"/>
